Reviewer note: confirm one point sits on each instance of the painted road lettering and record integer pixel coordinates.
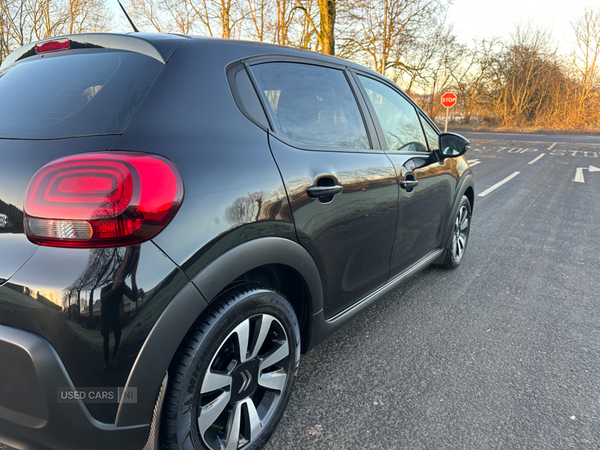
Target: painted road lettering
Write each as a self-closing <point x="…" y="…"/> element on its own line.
<point x="553" y="152"/>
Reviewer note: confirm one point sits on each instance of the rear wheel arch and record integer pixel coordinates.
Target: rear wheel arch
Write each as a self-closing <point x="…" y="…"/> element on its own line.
<point x="275" y="262"/>
<point x="289" y="282"/>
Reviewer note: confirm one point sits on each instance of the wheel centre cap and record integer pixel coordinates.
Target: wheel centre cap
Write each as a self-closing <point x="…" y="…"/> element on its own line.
<point x="244" y="380"/>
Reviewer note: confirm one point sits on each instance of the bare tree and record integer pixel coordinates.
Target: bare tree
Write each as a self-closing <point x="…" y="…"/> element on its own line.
<point x="471" y="74"/>
<point x="327" y="11"/>
<point x="386" y="28"/>
<point x="149" y="14"/>
<point x="258" y="16"/>
<point x="521" y="73"/>
<point x="587" y="64"/>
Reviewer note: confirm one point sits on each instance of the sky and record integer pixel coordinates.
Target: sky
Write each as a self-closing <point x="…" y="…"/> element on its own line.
<point x="489" y="18"/>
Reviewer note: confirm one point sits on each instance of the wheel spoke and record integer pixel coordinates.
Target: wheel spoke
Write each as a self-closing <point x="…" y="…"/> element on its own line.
<point x="461" y="245"/>
<point x="463" y="214"/>
<point x="233" y="428"/>
<point x="454" y="245"/>
<point x="243" y="334"/>
<point x="273" y="380"/>
<point x="464" y="224"/>
<point x="275" y="356"/>
<point x="214" y="381"/>
<point x="255" y="423"/>
<point x="264" y="327"/>
<point x="212" y="411"/>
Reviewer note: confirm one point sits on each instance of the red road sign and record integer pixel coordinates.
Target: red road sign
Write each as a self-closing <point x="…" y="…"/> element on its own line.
<point x="448" y="99"/>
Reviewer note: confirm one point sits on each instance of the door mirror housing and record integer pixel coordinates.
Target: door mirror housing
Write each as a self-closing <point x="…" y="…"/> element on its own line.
<point x="453" y="145"/>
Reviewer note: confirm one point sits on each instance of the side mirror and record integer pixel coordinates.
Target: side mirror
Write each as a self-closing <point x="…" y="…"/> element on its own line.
<point x="453" y="145"/>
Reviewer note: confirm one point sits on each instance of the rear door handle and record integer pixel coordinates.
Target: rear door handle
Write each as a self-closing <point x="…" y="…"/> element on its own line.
<point x="323" y="191"/>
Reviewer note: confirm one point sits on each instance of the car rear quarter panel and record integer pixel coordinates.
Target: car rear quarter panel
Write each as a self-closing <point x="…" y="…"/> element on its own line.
<point x="233" y="189"/>
<point x="51" y="296"/>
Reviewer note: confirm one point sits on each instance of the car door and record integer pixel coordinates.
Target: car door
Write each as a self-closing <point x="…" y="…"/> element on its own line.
<point x="426" y="180"/>
<point x="343" y="192"/>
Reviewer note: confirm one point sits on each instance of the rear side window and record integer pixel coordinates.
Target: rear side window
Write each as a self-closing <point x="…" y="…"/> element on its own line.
<point x="312" y="105"/>
<point x="78" y="94"/>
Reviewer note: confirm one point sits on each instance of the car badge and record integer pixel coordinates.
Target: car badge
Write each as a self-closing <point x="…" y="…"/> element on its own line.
<point x="3" y="220"/>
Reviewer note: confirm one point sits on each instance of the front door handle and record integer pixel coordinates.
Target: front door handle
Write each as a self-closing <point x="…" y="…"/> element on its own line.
<point x="408" y="184"/>
<point x="323" y="191"/>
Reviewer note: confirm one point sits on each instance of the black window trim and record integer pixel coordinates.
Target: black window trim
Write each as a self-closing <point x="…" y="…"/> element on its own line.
<point x="424" y="117"/>
<point x="362" y="107"/>
<point x="386" y="82"/>
<point x="232" y="70"/>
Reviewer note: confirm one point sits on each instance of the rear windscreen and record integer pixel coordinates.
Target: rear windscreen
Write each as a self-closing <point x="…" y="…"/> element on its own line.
<point x="78" y="94"/>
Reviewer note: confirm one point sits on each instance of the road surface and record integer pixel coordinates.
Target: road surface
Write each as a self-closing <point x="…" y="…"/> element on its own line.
<point x="502" y="353"/>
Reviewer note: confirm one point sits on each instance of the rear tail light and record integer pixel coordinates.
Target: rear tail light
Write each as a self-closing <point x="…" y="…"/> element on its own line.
<point x="102" y="199"/>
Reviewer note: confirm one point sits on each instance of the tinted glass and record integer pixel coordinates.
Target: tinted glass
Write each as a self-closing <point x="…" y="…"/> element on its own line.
<point x="249" y="98"/>
<point x="79" y="94"/>
<point x="312" y="105"/>
<point x="432" y="136"/>
<point x="397" y="117"/>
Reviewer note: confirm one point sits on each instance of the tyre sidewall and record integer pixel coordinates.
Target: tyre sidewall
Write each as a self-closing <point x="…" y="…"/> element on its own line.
<point x="451" y="261"/>
<point x="247" y="304"/>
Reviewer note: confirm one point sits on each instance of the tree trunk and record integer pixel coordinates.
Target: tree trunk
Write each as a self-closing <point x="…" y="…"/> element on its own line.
<point x="327" y="11"/>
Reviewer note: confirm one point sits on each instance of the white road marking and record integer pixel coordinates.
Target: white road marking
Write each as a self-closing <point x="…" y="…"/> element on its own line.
<point x="473" y="162"/>
<point x="536" y="159"/>
<point x="579" y="173"/>
<point x="550" y="148"/>
<point x="497" y="185"/>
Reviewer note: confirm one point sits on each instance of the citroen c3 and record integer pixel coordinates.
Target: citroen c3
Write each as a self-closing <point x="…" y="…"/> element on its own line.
<point x="182" y="217"/>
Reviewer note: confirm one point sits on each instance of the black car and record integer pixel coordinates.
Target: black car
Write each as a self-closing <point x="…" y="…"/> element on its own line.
<point x="181" y="218"/>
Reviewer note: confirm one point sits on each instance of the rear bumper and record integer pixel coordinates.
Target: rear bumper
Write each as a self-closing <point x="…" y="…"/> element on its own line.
<point x="31" y="415"/>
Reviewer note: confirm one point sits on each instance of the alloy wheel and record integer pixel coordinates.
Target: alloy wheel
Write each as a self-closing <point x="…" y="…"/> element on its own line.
<point x="460" y="233"/>
<point x="243" y="384"/>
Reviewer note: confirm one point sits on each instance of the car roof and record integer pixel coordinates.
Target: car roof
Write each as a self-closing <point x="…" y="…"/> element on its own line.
<point x="161" y="46"/>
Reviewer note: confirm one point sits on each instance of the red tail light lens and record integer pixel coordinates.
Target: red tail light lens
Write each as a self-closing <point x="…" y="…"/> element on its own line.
<point x="102" y="199"/>
<point x="52" y="46"/>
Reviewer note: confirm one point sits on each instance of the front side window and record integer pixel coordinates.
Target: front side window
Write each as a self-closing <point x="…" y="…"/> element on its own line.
<point x="397" y="117"/>
<point x="312" y="105"/>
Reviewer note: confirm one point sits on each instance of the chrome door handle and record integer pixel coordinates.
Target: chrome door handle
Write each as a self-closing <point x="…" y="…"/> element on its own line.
<point x="408" y="184"/>
<point x="323" y="191"/>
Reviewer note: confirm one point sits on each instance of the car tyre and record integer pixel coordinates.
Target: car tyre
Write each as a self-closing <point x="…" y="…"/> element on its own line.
<point x="232" y="376"/>
<point x="460" y="235"/>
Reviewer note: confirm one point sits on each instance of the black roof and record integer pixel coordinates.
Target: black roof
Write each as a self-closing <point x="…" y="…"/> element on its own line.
<point x="162" y="46"/>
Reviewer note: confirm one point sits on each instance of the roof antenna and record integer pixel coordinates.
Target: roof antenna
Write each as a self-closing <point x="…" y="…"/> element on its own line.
<point x="128" y="18"/>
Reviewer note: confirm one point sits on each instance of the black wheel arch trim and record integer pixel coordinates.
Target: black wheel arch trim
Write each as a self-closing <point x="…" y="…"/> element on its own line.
<point x="148" y="371"/>
<point x="465" y="183"/>
<point x="170" y="329"/>
<point x="256" y="253"/>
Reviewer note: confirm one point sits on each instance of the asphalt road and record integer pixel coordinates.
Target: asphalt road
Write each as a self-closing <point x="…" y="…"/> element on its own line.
<point x="501" y="353"/>
<point x="532" y="137"/>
